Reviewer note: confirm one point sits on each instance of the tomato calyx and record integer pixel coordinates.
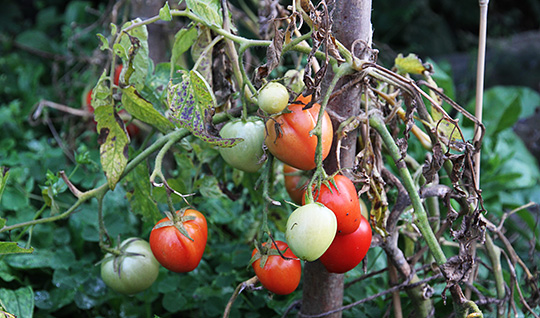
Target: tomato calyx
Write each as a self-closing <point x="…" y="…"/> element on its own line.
<point x="266" y="250"/>
<point x="118" y="254"/>
<point x="177" y="220"/>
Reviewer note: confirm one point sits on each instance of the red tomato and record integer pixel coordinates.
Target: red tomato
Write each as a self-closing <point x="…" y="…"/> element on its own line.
<point x="279" y="275"/>
<point x="117" y="71"/>
<point x="292" y="184"/>
<point x="287" y="135"/>
<point x="343" y="201"/>
<point x="175" y="251"/>
<point x="347" y="251"/>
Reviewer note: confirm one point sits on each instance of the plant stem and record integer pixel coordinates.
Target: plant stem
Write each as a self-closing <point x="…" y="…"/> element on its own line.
<point x="494" y="254"/>
<point x="421" y="221"/>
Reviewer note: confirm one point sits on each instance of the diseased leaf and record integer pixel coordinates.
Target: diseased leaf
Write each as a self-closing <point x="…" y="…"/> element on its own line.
<point x="208" y="10"/>
<point x="113" y="142"/>
<point x="13" y="248"/>
<point x="200" y="53"/>
<point x="273" y="55"/>
<point x="140" y="199"/>
<point x="183" y="40"/>
<point x="133" y="50"/>
<point x="143" y="110"/>
<point x="191" y="104"/>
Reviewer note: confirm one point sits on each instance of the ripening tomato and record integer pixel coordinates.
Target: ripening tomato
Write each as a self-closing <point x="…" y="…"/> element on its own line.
<point x="117" y="72"/>
<point x="343" y="201"/>
<point x="294" y="184"/>
<point x="310" y="230"/>
<point x="288" y="135"/>
<point x="279" y="275"/>
<point x="133" y="271"/>
<point x="173" y="250"/>
<point x="347" y="251"/>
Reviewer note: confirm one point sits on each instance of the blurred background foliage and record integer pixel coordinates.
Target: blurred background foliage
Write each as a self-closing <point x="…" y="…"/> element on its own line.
<point x="48" y="51"/>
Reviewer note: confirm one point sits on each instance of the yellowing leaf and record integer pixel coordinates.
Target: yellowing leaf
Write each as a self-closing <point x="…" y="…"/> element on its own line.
<point x="113" y="142"/>
<point x="409" y="65"/>
<point x="143" y="110"/>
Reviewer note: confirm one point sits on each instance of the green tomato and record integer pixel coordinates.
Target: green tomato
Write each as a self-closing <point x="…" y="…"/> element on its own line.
<point x="310" y="231"/>
<point x="135" y="270"/>
<point x="246" y="154"/>
<point x="273" y="98"/>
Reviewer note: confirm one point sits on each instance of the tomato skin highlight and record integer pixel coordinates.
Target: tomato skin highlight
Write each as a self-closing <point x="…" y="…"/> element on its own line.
<point x="288" y="136"/>
<point x="343" y="201"/>
<point x="279" y="275"/>
<point x="176" y="252"/>
<point x="136" y="272"/>
<point x="347" y="251"/>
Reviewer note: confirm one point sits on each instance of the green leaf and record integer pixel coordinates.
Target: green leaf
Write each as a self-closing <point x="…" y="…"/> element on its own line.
<point x="143" y="110"/>
<point x="409" y="65"/>
<point x="3" y="182"/>
<point x="191" y="105"/>
<point x="18" y="302"/>
<point x="141" y="200"/>
<point x="13" y="248"/>
<point x="209" y="187"/>
<point x="113" y="142"/>
<point x="208" y="10"/>
<point x="104" y="42"/>
<point x="165" y="12"/>
<point x="183" y="40"/>
<point x="133" y="50"/>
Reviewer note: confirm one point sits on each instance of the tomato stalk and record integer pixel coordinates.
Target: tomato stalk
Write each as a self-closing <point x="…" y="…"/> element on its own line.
<point x="377" y="123"/>
<point x="319" y="174"/>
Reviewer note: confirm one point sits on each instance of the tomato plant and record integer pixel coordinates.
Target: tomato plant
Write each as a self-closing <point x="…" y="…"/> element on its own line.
<point x="133" y="271"/>
<point x="278" y="275"/>
<point x="347" y="251"/>
<point x="247" y="154"/>
<point x="288" y="135"/>
<point x="273" y="98"/>
<point x="174" y="250"/>
<point x="294" y="183"/>
<point x="310" y="230"/>
<point x="343" y="201"/>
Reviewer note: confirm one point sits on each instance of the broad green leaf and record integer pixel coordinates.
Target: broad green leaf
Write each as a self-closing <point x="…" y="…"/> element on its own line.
<point x="209" y="187"/>
<point x="133" y="50"/>
<point x="13" y="248"/>
<point x="165" y="12"/>
<point x="183" y="40"/>
<point x="113" y="142"/>
<point x="191" y="104"/>
<point x="18" y="302"/>
<point x="140" y="199"/>
<point x="409" y="65"/>
<point x="208" y="10"/>
<point x="3" y="182"/>
<point x="143" y="110"/>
